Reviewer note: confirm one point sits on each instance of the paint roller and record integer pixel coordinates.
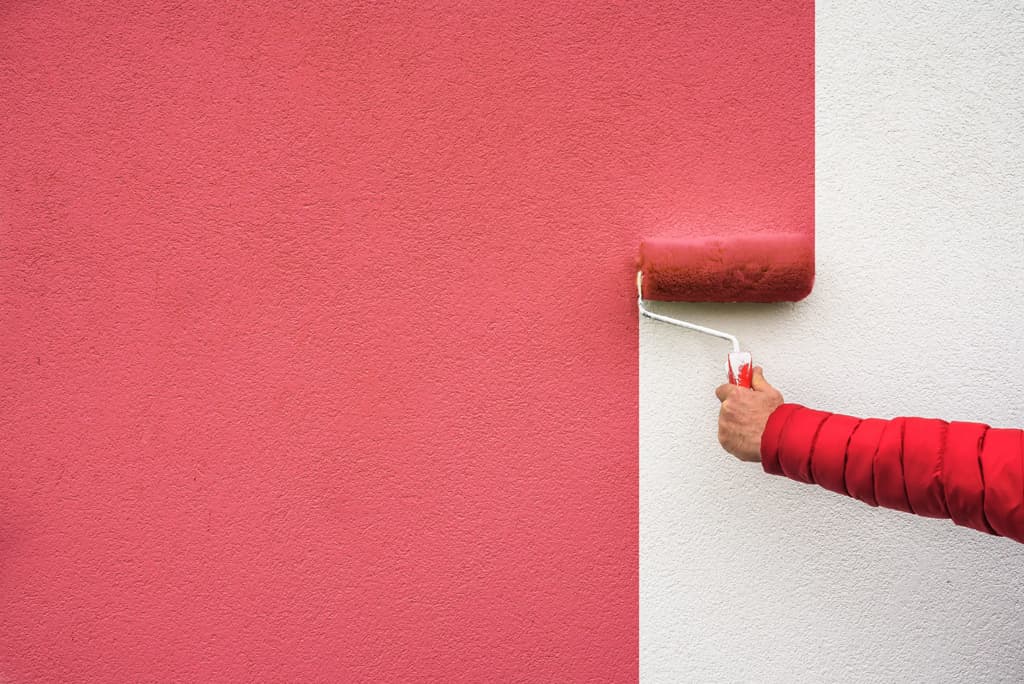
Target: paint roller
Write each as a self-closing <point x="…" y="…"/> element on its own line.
<point x="755" y="267"/>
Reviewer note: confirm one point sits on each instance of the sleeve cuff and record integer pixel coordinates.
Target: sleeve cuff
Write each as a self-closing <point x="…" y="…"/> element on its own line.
<point x="773" y="436"/>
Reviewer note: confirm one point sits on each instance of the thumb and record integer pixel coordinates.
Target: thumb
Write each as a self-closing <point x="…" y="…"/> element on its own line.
<point x="757" y="382"/>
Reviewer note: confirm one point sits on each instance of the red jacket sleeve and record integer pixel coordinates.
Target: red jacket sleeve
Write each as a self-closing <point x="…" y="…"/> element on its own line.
<point x="968" y="472"/>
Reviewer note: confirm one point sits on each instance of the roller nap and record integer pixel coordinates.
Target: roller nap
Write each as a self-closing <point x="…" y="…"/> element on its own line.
<point x="769" y="267"/>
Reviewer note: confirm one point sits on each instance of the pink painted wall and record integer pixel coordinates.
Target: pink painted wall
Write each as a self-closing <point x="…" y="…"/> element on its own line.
<point x="318" y="336"/>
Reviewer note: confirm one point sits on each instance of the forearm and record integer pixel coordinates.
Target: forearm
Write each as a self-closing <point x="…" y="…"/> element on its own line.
<point x="964" y="471"/>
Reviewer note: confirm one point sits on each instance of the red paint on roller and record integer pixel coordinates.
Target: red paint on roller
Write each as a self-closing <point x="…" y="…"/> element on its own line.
<point x="756" y="267"/>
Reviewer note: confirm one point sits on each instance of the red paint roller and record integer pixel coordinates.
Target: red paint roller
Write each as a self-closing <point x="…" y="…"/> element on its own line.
<point x="758" y="267"/>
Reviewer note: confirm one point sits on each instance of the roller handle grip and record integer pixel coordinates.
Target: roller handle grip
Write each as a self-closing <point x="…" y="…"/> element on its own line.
<point x="740" y="368"/>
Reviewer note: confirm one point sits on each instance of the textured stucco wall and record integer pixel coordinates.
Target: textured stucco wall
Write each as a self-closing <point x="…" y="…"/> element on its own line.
<point x="287" y="390"/>
<point x="318" y="329"/>
<point x="916" y="311"/>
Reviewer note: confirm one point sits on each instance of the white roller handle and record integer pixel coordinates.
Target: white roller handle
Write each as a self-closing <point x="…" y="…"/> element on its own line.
<point x="740" y="368"/>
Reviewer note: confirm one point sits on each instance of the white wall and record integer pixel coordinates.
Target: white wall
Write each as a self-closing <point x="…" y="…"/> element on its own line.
<point x="918" y="310"/>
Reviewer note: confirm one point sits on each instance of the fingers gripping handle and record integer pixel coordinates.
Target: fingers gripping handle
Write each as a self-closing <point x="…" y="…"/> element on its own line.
<point x="741" y="369"/>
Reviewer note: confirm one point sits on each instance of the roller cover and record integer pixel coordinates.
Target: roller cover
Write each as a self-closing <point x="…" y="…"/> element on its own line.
<point x="770" y="267"/>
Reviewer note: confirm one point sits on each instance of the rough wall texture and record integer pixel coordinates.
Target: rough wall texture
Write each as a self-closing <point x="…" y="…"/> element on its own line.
<point x="318" y="329"/>
<point x="916" y="311"/>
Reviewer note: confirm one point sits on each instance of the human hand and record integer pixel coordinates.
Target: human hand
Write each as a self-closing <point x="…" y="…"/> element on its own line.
<point x="744" y="414"/>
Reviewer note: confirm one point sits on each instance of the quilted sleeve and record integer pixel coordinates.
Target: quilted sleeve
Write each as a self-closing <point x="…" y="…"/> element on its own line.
<point x="968" y="472"/>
